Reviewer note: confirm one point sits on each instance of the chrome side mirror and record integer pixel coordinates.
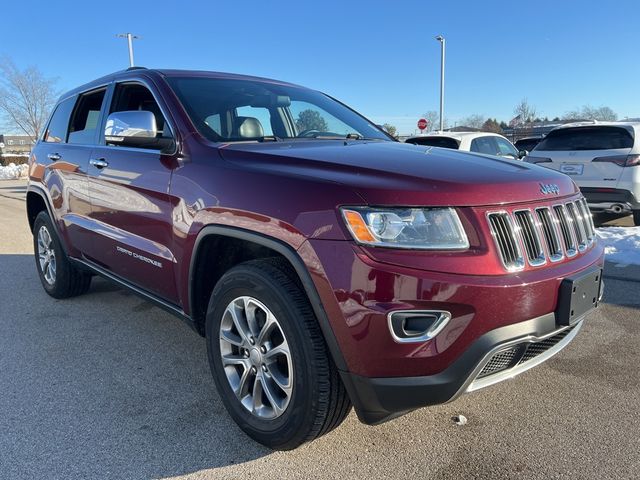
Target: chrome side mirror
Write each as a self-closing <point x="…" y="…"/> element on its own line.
<point x="134" y="128"/>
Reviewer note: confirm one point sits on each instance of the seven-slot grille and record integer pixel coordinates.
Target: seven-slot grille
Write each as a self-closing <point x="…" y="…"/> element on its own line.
<point x="546" y="233"/>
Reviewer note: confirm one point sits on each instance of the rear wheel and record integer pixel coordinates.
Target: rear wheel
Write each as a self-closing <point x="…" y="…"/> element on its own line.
<point x="59" y="277"/>
<point x="636" y="218"/>
<point x="269" y="359"/>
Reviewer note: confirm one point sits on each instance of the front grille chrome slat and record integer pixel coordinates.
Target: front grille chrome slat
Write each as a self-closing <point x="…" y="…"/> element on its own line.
<point x="550" y="229"/>
<point x="565" y="229"/>
<point x="530" y="238"/>
<point x="505" y="239"/>
<point x="536" y="236"/>
<point x="575" y="219"/>
<point x="587" y="219"/>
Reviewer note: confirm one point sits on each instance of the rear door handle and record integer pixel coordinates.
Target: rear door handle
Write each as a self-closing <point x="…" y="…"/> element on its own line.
<point x="54" y="157"/>
<point x="99" y="163"/>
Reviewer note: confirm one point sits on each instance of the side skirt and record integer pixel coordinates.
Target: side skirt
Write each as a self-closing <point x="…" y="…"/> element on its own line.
<point x="87" y="265"/>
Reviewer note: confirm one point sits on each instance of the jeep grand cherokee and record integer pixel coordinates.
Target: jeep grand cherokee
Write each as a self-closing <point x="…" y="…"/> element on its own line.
<point x="327" y="265"/>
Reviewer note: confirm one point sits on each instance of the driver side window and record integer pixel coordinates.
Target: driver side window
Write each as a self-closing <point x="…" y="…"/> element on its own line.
<point x="137" y="97"/>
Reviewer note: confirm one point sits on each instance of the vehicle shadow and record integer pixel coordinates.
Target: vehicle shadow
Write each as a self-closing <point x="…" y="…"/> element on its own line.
<point x="105" y="384"/>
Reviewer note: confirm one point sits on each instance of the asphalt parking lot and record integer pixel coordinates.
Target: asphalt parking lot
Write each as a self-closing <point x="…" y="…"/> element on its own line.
<point x="108" y="386"/>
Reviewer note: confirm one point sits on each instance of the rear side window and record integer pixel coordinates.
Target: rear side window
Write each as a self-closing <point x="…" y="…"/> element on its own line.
<point x="85" y="118"/>
<point x="57" y="129"/>
<point x="486" y="145"/>
<point x="587" y="138"/>
<point x="443" y="142"/>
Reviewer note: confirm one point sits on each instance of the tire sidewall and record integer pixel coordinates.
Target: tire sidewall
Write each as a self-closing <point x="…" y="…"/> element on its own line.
<point x="245" y="280"/>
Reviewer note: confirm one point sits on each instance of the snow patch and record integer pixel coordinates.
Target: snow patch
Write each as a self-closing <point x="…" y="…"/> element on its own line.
<point x="13" y="171"/>
<point x="621" y="244"/>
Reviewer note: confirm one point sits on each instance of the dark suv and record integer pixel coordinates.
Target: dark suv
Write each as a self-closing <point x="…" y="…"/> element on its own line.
<point x="327" y="264"/>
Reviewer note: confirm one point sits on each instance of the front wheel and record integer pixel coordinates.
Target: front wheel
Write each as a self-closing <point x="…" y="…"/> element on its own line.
<point x="269" y="359"/>
<point x="636" y="218"/>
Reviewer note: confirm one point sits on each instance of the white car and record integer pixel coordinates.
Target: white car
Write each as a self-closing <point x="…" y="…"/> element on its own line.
<point x="603" y="158"/>
<point x="478" y="142"/>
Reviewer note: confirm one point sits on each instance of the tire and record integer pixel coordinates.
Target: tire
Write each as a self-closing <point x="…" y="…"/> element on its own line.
<point x="636" y="218"/>
<point x="59" y="277"/>
<point x="316" y="402"/>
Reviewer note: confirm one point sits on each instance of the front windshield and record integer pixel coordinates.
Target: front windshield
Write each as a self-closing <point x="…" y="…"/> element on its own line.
<point x="231" y="110"/>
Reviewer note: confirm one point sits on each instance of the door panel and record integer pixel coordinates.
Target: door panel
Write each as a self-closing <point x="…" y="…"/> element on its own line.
<point x="132" y="217"/>
<point x="63" y="168"/>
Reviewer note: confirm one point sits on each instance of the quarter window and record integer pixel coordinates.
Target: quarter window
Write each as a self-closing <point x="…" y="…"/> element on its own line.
<point x="85" y="118"/>
<point x="56" y="131"/>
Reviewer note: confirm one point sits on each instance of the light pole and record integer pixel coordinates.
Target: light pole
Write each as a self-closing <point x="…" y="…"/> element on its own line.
<point x="129" y="37"/>
<point x="440" y="38"/>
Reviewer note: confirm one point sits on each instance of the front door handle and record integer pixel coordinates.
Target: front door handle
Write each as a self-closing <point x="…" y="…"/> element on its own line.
<point x="54" y="157"/>
<point x="99" y="163"/>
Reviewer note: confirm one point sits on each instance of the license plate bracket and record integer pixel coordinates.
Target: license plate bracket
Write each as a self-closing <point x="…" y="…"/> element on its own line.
<point x="578" y="295"/>
<point x="572" y="168"/>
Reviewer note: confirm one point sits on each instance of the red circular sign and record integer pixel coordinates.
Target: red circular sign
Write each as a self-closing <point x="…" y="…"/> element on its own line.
<point x="422" y="123"/>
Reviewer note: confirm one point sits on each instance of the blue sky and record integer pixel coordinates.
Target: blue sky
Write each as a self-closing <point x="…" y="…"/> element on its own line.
<point x="379" y="57"/>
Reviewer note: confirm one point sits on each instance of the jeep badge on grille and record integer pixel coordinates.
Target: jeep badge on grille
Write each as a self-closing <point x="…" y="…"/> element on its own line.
<point x="549" y="188"/>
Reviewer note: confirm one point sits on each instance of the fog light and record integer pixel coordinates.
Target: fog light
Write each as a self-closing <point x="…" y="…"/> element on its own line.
<point x="413" y="326"/>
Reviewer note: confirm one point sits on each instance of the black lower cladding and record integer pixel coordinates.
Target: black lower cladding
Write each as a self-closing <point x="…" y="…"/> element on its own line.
<point x="377" y="400"/>
<point x="610" y="195"/>
<point x="579" y="294"/>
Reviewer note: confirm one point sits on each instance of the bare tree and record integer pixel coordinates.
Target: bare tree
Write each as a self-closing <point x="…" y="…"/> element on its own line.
<point x="26" y="97"/>
<point x="433" y="120"/>
<point x="524" y="112"/>
<point x="587" y="112"/>
<point x="473" y="121"/>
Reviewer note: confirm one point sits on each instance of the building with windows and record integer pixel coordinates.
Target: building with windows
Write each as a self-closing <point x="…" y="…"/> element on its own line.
<point x="15" y="144"/>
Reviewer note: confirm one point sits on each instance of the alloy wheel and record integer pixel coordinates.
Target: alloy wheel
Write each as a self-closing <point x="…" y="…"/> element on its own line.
<point x="46" y="255"/>
<point x="256" y="357"/>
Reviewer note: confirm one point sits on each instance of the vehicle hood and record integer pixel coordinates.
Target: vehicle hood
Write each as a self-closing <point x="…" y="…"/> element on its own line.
<point x="392" y="173"/>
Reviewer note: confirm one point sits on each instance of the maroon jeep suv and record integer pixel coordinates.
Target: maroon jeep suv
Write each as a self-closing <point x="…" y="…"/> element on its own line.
<point x="327" y="265"/>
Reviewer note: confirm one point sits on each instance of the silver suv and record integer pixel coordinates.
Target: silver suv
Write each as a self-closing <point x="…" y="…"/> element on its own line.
<point x="603" y="158"/>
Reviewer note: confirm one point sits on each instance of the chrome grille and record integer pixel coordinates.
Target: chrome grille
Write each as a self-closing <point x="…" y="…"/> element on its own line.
<point x="530" y="237"/>
<point x="546" y="233"/>
<point x="587" y="219"/>
<point x="575" y="219"/>
<point x="504" y="236"/>
<point x="567" y="236"/>
<point x="550" y="234"/>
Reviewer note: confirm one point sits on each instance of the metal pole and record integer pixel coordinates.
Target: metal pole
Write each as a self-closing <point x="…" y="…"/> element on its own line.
<point x="441" y="39"/>
<point x="130" y="37"/>
<point x="130" y="41"/>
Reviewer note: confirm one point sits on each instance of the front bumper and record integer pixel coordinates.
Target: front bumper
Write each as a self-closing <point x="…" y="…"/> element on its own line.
<point x="495" y="356"/>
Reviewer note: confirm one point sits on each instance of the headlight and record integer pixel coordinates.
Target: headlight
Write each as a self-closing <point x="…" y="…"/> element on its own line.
<point x="417" y="228"/>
